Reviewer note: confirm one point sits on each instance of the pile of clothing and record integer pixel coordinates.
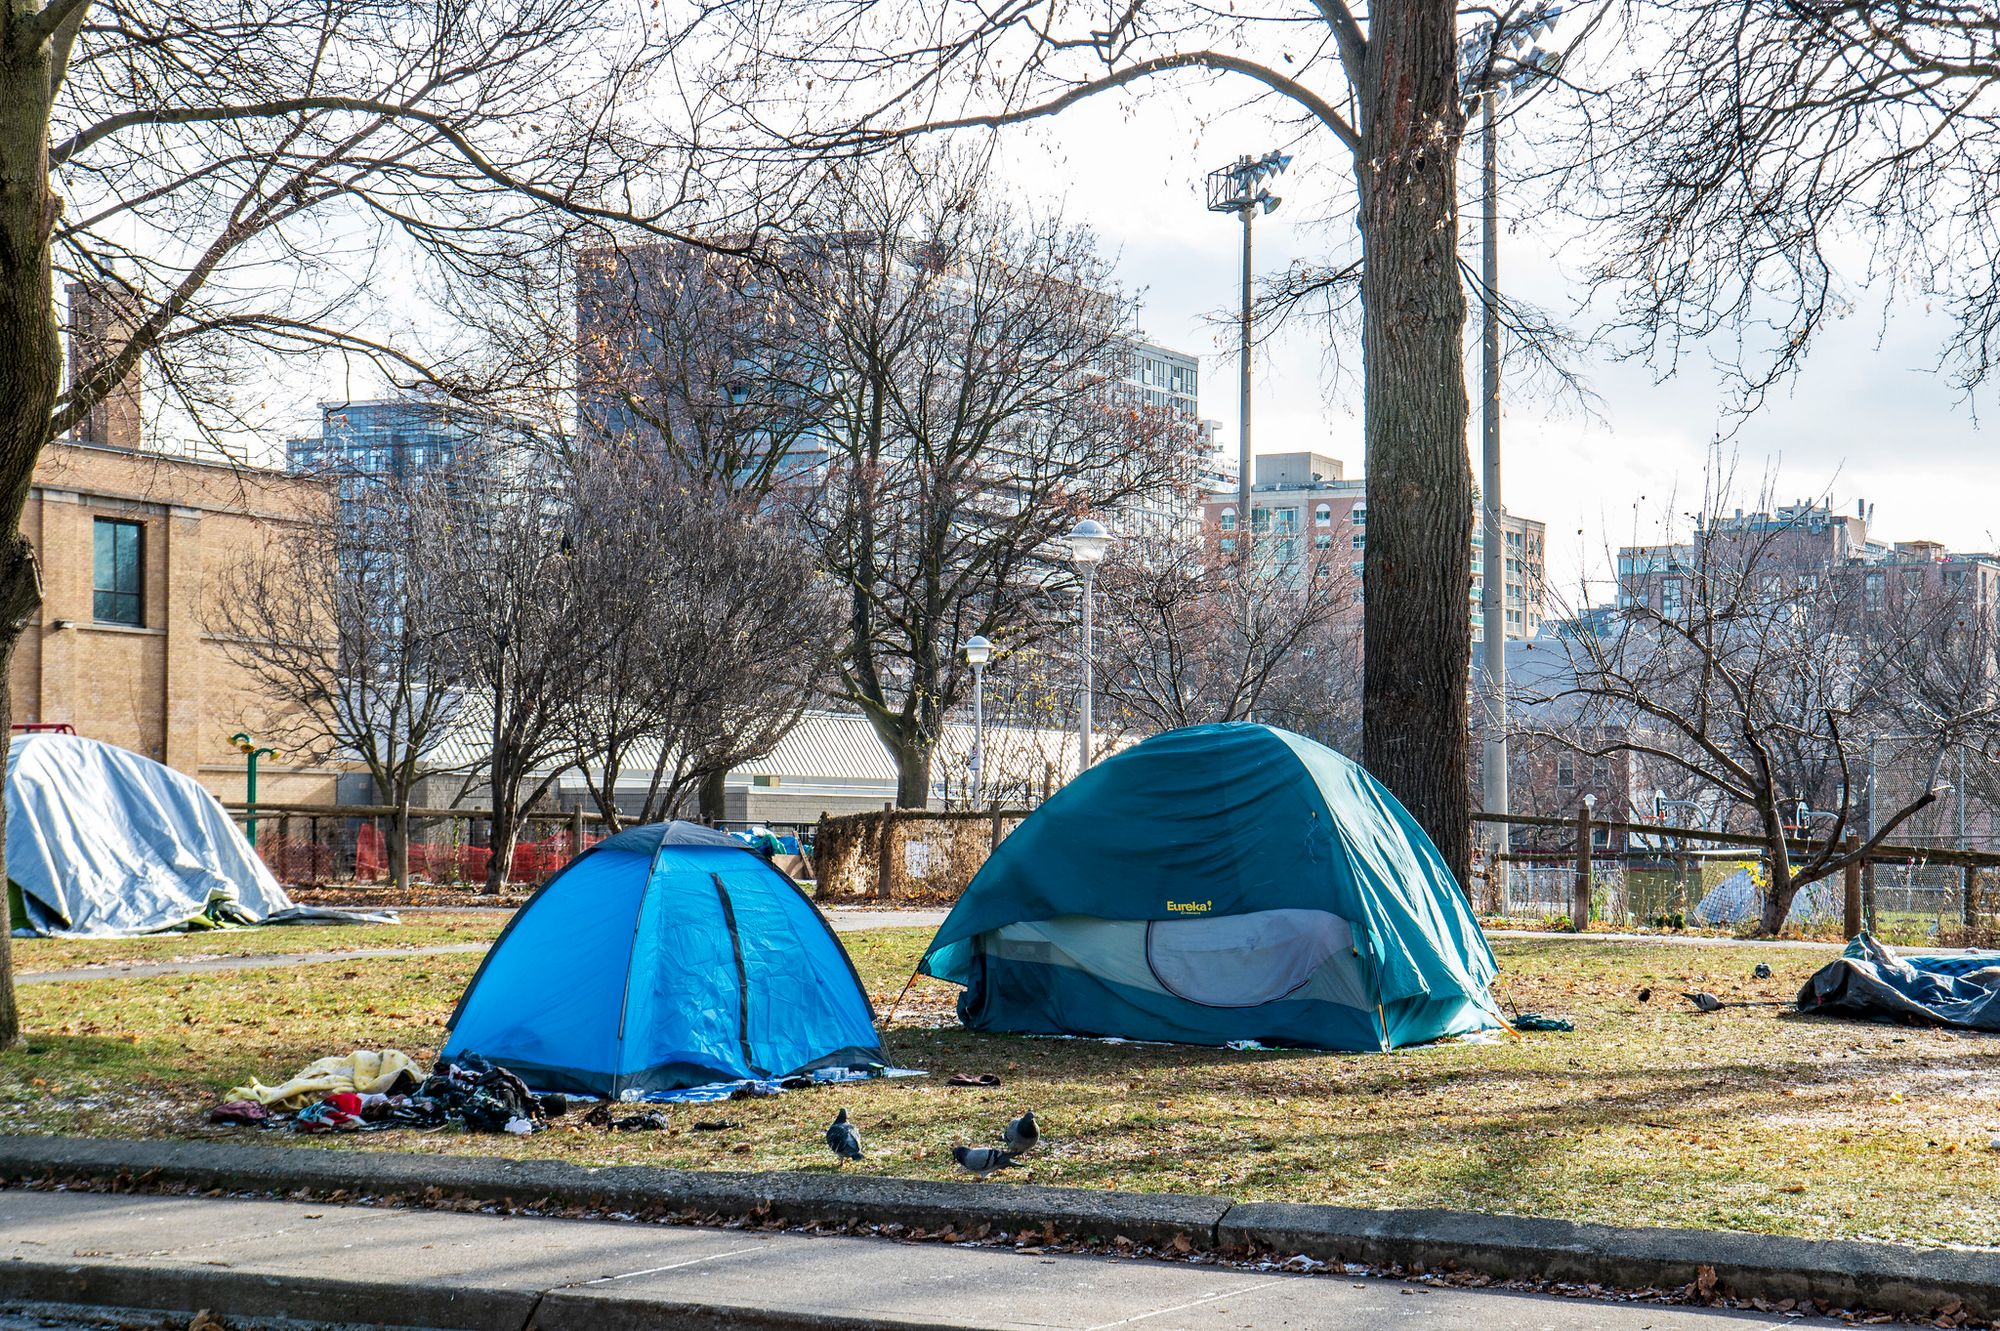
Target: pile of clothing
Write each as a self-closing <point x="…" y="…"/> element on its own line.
<point x="374" y="1089"/>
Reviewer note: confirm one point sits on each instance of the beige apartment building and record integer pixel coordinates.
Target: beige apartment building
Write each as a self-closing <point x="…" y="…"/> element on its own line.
<point x="1309" y="515"/>
<point x="131" y="543"/>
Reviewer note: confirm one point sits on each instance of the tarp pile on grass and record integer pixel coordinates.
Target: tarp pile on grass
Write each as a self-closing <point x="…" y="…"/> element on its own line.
<point x="104" y="843"/>
<point x="1213" y="884"/>
<point x="1869" y="980"/>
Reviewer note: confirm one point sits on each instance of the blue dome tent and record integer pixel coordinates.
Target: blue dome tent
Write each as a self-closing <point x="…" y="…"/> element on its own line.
<point x="663" y="957"/>
<point x="1218" y="883"/>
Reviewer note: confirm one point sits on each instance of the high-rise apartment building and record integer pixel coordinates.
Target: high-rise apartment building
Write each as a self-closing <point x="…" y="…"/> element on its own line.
<point x="1310" y="518"/>
<point x="1808" y="544"/>
<point x="396" y="437"/>
<point x="667" y="334"/>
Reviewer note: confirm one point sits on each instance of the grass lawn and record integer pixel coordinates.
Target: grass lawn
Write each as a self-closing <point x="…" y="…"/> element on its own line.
<point x="430" y="929"/>
<point x="1647" y="1114"/>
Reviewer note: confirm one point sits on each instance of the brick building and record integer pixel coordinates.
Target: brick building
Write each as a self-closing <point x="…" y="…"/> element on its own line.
<point x="129" y="541"/>
<point x="1808" y="544"/>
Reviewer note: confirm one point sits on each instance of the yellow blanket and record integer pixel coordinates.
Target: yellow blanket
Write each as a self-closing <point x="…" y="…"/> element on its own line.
<point x="367" y="1071"/>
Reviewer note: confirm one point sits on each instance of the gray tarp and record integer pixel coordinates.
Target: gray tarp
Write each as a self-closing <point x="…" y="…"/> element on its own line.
<point x="1869" y="980"/>
<point x="104" y="843"/>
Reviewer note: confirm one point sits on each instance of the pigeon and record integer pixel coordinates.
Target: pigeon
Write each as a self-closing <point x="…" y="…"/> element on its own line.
<point x="1022" y="1135"/>
<point x="1705" y="1001"/>
<point x="1763" y="972"/>
<point x="842" y="1139"/>
<point x="981" y="1160"/>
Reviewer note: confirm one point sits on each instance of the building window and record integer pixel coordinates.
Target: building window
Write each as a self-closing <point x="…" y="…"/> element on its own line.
<point x="1288" y="520"/>
<point x="1565" y="773"/>
<point x="1357" y="515"/>
<point x="1323" y="515"/>
<point x="1322" y="541"/>
<point x="1229" y="519"/>
<point x="1360" y="541"/>
<point x="119" y="559"/>
<point x="1871" y="591"/>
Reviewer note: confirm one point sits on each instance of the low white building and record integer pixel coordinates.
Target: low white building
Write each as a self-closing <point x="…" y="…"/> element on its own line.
<point x="831" y="763"/>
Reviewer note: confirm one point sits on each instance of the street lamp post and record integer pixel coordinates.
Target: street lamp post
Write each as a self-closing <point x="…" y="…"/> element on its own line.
<point x="1242" y="188"/>
<point x="977" y="652"/>
<point x="1087" y="544"/>
<point x="249" y="748"/>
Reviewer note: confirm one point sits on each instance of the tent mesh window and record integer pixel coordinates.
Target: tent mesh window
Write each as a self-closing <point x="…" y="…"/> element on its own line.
<point x="1243" y="960"/>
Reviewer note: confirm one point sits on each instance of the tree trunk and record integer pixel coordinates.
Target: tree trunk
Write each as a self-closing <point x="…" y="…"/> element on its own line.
<point x="30" y="357"/>
<point x="1417" y="634"/>
<point x="505" y="830"/>
<point x="913" y="772"/>
<point x="399" y="844"/>
<point x="713" y="799"/>
<point x="10" y="1012"/>
<point x="1783" y="887"/>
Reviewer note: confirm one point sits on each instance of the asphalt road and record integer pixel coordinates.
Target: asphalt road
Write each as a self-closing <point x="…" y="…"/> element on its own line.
<point x="249" y="1259"/>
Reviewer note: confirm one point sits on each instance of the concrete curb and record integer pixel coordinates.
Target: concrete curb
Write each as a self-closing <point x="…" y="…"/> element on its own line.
<point x="832" y="1199"/>
<point x="109" y="1284"/>
<point x="1880" y="1277"/>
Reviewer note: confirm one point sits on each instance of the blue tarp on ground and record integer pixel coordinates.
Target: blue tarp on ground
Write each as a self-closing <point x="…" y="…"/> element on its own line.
<point x="1218" y="883"/>
<point x="1871" y="981"/>
<point x="105" y="843"/>
<point x="663" y="957"/>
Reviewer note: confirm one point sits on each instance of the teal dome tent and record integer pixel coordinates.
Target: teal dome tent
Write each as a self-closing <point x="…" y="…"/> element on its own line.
<point x="1218" y="883"/>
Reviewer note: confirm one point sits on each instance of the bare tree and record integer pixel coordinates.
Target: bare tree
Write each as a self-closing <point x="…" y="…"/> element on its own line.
<point x="971" y="363"/>
<point x="699" y="357"/>
<point x="527" y="622"/>
<point x="1190" y="640"/>
<point x="1753" y="669"/>
<point x="722" y="631"/>
<point x="233" y="175"/>
<point x="1379" y="90"/>
<point x="337" y="621"/>
<point x="1766" y="158"/>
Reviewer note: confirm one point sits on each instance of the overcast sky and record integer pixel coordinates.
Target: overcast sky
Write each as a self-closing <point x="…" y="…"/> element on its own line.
<point x="1869" y="419"/>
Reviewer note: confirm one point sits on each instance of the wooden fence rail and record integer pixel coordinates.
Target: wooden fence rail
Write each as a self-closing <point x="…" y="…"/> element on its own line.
<point x="1858" y="907"/>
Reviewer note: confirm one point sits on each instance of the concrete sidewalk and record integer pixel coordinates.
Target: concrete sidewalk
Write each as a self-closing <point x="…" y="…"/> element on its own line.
<point x="319" y="1262"/>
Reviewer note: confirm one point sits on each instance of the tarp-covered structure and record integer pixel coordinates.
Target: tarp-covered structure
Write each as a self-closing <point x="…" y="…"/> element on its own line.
<point x="1739" y="899"/>
<point x="1214" y="884"/>
<point x="663" y="957"/>
<point x="1871" y="981"/>
<point x="106" y="843"/>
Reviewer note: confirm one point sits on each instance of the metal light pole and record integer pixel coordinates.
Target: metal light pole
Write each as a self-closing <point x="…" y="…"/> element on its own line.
<point x="977" y="652"/>
<point x="1240" y="188"/>
<point x="1482" y="55"/>
<point x="1087" y="544"/>
<point x="248" y="747"/>
<point x="1492" y="592"/>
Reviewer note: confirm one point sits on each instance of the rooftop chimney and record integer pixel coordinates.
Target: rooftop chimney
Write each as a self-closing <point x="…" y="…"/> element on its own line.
<point x="102" y="318"/>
